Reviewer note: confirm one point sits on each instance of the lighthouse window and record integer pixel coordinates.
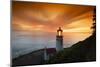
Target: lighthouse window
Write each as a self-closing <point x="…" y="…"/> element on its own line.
<point x="59" y="33"/>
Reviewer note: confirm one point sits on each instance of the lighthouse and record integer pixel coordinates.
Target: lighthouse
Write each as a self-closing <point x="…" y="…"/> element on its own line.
<point x="59" y="40"/>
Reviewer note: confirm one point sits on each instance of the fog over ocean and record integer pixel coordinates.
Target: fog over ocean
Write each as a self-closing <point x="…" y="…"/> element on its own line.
<point x="25" y="42"/>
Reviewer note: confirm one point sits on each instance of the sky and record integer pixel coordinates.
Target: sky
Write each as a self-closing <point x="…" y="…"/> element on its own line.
<point x="34" y="25"/>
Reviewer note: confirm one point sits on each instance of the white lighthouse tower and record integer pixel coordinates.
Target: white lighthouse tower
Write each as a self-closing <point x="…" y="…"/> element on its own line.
<point x="59" y="40"/>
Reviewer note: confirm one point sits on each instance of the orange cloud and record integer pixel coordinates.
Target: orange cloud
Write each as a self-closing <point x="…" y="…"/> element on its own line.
<point x="48" y="17"/>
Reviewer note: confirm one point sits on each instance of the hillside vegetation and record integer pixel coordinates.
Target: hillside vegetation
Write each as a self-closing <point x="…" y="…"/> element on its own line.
<point x="80" y="52"/>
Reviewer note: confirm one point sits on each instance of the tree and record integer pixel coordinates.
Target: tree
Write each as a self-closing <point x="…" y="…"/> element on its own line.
<point x="94" y="22"/>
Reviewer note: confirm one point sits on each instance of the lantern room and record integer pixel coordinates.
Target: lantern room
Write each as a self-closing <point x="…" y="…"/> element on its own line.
<point x="59" y="32"/>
